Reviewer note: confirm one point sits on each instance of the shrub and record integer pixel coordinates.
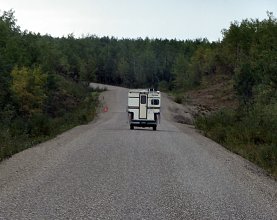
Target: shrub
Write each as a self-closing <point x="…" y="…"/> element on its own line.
<point x="178" y="98"/>
<point x="18" y="132"/>
<point x="249" y="133"/>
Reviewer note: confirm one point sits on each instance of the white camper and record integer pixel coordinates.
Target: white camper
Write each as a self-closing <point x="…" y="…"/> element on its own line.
<point x="144" y="108"/>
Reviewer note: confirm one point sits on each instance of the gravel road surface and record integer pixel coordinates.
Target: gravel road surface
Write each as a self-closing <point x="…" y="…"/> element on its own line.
<point x="103" y="170"/>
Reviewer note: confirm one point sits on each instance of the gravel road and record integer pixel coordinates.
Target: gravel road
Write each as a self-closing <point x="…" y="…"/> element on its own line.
<point x="103" y="170"/>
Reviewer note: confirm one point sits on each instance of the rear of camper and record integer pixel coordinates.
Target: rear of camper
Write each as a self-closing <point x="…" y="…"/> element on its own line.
<point x="144" y="108"/>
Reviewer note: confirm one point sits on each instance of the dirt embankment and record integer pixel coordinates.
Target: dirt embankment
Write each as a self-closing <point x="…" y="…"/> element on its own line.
<point x="176" y="112"/>
<point x="214" y="94"/>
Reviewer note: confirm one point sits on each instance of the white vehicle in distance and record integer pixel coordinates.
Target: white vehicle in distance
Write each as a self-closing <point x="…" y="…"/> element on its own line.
<point x="144" y="108"/>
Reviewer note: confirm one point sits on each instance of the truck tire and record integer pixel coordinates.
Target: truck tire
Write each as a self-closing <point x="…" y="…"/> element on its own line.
<point x="154" y="127"/>
<point x="132" y="127"/>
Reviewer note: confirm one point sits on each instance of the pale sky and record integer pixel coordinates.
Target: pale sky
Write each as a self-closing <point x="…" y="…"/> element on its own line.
<point x="170" y="19"/>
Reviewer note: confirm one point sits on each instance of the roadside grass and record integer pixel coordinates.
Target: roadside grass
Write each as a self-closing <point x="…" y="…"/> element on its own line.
<point x="251" y="133"/>
<point x="178" y="96"/>
<point x="21" y="133"/>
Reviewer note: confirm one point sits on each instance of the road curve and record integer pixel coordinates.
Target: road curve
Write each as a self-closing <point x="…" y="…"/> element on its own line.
<point x="103" y="170"/>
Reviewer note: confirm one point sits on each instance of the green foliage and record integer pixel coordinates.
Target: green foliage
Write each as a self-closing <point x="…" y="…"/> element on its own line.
<point x="39" y="95"/>
<point x="123" y="72"/>
<point x="163" y="86"/>
<point x="244" y="82"/>
<point x="22" y="133"/>
<point x="202" y="63"/>
<point x="180" y="74"/>
<point x="178" y="97"/>
<point x="248" y="132"/>
<point x="249" y="54"/>
<point x="88" y="70"/>
<point x="28" y="87"/>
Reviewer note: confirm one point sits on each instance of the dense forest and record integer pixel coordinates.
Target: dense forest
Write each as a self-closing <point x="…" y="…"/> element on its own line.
<point x="43" y="78"/>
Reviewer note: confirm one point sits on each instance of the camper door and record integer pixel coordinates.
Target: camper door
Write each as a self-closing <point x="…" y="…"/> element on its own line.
<point x="143" y="106"/>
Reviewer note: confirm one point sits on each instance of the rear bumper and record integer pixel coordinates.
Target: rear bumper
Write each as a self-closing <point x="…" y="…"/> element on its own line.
<point x="143" y="123"/>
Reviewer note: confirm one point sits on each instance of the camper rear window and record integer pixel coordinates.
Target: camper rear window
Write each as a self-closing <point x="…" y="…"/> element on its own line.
<point x="155" y="102"/>
<point x="143" y="99"/>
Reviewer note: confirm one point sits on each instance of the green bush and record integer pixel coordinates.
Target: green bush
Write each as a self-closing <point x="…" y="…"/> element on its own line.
<point x="23" y="132"/>
<point x="178" y="98"/>
<point x="39" y="125"/>
<point x="249" y="133"/>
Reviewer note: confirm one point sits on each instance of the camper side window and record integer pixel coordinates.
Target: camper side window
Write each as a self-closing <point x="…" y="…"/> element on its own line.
<point x="155" y="101"/>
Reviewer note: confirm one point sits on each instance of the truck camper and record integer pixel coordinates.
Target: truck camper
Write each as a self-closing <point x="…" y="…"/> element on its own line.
<point x="144" y="108"/>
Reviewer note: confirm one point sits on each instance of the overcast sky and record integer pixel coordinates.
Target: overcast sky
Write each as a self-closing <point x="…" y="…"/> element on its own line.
<point x="180" y="19"/>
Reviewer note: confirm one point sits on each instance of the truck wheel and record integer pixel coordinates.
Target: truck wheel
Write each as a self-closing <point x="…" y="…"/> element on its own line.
<point x="132" y="127"/>
<point x="154" y="127"/>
